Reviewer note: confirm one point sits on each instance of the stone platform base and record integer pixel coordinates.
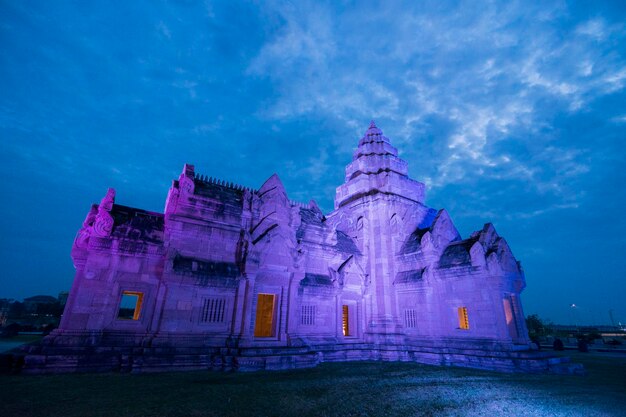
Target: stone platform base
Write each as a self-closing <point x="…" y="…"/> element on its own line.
<point x="63" y="353"/>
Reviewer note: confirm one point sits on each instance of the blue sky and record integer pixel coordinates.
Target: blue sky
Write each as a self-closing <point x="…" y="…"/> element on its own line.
<point x="511" y="112"/>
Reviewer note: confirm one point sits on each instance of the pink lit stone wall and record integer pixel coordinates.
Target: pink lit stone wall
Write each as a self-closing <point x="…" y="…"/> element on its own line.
<point x="400" y="267"/>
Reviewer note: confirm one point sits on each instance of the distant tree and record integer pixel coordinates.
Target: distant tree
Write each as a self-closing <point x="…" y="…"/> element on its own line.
<point x="16" y="310"/>
<point x="47" y="328"/>
<point x="536" y="327"/>
<point x="593" y="336"/>
<point x="558" y="344"/>
<point x="5" y="303"/>
<point x="11" y="330"/>
<point x="52" y="309"/>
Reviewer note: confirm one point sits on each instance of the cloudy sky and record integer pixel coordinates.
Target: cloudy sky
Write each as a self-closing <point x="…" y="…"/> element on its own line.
<point x="511" y="113"/>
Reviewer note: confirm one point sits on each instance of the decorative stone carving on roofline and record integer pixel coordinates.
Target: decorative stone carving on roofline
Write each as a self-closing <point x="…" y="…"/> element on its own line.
<point x="104" y="221"/>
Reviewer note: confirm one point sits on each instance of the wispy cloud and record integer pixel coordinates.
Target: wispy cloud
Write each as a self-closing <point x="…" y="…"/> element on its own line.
<point x="520" y="66"/>
<point x="539" y="212"/>
<point x="594" y="28"/>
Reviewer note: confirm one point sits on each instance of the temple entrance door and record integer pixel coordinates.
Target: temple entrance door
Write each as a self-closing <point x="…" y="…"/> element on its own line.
<point x="345" y="320"/>
<point x="264" y="323"/>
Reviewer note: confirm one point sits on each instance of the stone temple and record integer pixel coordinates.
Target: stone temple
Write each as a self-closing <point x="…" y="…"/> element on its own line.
<point x="234" y="278"/>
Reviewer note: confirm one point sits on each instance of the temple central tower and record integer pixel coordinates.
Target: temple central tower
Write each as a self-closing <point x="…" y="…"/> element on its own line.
<point x="376" y="196"/>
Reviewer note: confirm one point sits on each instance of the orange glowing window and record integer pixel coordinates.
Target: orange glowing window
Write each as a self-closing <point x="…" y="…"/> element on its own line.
<point x="130" y="305"/>
<point x="463" y="319"/>
<point x="509" y="315"/>
<point x="345" y="320"/>
<point x="264" y="323"/>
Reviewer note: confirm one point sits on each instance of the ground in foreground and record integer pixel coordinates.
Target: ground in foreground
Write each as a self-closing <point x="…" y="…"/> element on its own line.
<point x="338" y="389"/>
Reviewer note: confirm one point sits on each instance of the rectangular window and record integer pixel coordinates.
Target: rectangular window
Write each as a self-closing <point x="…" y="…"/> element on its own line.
<point x="264" y="323"/>
<point x="410" y="318"/>
<point x="463" y="319"/>
<point x="308" y="315"/>
<point x="213" y="310"/>
<point x="130" y="305"/>
<point x="345" y="320"/>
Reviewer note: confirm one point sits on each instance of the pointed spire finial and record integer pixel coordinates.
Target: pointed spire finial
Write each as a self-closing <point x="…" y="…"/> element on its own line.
<point x="373" y="130"/>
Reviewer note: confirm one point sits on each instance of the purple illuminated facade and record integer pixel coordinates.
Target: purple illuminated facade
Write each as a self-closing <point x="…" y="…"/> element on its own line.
<point x="234" y="278"/>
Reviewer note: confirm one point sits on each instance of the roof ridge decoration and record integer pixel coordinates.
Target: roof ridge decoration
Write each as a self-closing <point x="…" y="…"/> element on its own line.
<point x="103" y="225"/>
<point x="272" y="183"/>
<point x="185" y="181"/>
<point x="204" y="179"/>
<point x="373" y="130"/>
<point x="373" y="134"/>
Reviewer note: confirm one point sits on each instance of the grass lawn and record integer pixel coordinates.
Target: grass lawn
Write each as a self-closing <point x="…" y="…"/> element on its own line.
<point x="336" y="389"/>
<point x="13" y="342"/>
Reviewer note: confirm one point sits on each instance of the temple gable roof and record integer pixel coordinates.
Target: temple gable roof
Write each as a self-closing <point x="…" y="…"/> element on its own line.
<point x="457" y="254"/>
<point x="407" y="277"/>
